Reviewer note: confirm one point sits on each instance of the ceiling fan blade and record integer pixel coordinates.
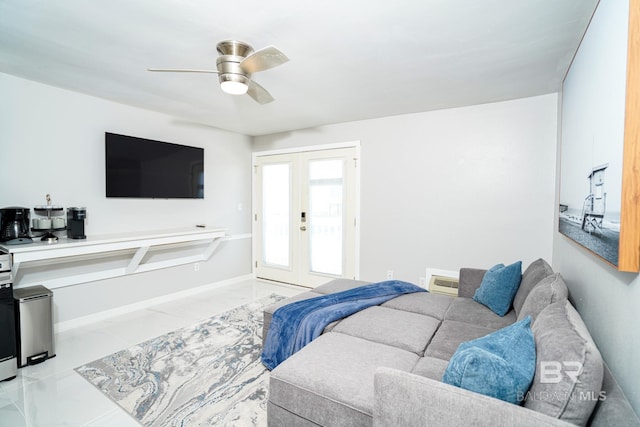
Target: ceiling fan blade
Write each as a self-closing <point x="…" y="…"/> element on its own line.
<point x="259" y="94"/>
<point x="181" y="70"/>
<point x="263" y="59"/>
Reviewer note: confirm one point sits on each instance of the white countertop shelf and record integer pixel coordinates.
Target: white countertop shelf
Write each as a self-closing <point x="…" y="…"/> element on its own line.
<point x="135" y="246"/>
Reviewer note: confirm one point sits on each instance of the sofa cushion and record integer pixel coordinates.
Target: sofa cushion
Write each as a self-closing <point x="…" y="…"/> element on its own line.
<point x="499" y="365"/>
<point x="549" y="290"/>
<point x="450" y="335"/>
<point x="331" y="379"/>
<point x="470" y="280"/>
<point x="569" y="367"/>
<point x="468" y="311"/>
<point x="429" y="304"/>
<point x="430" y="367"/>
<point x="537" y="270"/>
<point x="499" y="286"/>
<point x="397" y="328"/>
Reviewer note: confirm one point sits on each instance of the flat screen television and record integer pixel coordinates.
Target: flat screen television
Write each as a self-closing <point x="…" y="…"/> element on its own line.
<point x="144" y="168"/>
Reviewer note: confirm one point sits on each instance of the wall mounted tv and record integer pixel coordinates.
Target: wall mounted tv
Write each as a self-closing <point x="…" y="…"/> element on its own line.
<point x="143" y="168"/>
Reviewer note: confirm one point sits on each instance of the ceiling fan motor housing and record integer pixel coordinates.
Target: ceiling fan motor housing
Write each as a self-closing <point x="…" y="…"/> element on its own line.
<point x="229" y="69"/>
<point x="234" y="47"/>
<point x="232" y="52"/>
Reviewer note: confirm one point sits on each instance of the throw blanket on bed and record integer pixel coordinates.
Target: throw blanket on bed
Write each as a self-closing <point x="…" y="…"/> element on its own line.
<point x="297" y="324"/>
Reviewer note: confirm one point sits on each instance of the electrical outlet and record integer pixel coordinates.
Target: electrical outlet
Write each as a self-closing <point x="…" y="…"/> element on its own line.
<point x="389" y="274"/>
<point x="423" y="282"/>
<point x="196" y="266"/>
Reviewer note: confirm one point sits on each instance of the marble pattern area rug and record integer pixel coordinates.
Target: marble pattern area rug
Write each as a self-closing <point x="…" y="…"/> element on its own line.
<point x="206" y="374"/>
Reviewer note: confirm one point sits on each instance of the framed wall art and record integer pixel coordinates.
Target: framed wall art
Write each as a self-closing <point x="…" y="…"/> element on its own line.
<point x="600" y="153"/>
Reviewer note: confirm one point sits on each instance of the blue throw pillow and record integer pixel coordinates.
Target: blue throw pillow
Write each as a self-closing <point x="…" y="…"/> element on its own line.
<point x="501" y="364"/>
<point x="499" y="286"/>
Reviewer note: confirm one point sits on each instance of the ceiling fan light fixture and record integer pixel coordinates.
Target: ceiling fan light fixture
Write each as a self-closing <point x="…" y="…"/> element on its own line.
<point x="234" y="84"/>
<point x="234" y="88"/>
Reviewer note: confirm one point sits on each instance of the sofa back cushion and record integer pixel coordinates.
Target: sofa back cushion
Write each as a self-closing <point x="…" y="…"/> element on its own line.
<point x="549" y="290"/>
<point x="569" y="368"/>
<point x="536" y="271"/>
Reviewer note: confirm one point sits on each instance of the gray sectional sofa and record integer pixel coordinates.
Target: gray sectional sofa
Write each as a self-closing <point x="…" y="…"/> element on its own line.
<point x="383" y="366"/>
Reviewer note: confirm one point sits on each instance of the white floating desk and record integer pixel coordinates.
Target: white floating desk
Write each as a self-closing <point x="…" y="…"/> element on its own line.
<point x="130" y="249"/>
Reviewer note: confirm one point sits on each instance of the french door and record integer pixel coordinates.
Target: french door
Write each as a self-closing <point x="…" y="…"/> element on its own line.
<point x="305" y="219"/>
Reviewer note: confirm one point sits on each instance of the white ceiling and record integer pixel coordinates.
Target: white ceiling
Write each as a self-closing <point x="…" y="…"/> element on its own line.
<point x="350" y="59"/>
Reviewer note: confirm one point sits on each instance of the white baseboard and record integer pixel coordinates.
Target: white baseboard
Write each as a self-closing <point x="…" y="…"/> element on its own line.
<point x="103" y="315"/>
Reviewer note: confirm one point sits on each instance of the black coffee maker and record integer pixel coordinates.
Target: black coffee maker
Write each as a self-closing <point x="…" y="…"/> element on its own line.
<point x="14" y="225"/>
<point x="75" y="223"/>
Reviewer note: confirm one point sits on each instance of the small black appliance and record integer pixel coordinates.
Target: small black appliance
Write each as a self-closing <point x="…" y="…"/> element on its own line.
<point x="14" y="225"/>
<point x="75" y="223"/>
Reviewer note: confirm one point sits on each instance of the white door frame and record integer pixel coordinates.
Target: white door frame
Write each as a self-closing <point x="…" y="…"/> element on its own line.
<point x="256" y="154"/>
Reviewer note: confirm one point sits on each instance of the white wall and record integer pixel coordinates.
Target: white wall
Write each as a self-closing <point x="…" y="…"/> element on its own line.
<point x="594" y="91"/>
<point x="469" y="186"/>
<point x="52" y="141"/>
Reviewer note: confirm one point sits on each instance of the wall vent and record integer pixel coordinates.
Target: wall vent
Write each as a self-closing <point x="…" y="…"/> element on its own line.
<point x="442" y="282"/>
<point x="444" y="285"/>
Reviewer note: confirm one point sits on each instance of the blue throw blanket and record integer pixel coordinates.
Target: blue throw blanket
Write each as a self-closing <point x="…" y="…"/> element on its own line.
<point x="297" y="324"/>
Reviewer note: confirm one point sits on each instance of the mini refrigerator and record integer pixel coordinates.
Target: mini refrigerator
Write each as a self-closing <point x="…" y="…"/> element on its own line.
<point x="34" y="325"/>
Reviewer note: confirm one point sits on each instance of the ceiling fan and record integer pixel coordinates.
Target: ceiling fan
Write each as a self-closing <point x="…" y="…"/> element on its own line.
<point x="235" y="65"/>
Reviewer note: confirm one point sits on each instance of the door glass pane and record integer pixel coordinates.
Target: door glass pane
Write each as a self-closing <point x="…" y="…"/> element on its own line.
<point x="325" y="216"/>
<point x="276" y="196"/>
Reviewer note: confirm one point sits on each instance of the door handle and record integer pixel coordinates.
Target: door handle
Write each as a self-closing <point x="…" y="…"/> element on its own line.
<point x="303" y="228"/>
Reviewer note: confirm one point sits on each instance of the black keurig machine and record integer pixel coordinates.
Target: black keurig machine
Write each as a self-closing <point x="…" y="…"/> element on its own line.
<point x="75" y="223"/>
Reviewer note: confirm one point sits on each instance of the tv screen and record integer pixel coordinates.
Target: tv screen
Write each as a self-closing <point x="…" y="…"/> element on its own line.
<point x="143" y="168"/>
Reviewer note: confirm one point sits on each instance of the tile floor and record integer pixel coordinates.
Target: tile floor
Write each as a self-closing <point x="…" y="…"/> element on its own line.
<point x="53" y="394"/>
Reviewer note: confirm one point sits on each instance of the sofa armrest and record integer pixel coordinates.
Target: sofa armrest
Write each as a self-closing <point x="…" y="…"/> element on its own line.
<point x="405" y="399"/>
<point x="470" y="280"/>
